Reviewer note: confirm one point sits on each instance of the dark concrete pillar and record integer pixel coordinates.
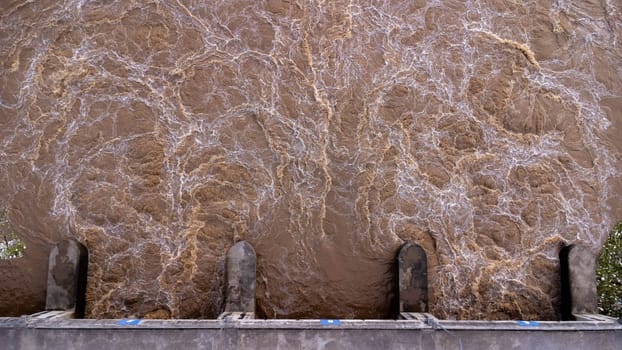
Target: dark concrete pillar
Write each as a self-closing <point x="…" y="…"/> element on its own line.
<point x="413" y="278"/>
<point x="241" y="265"/>
<point x="578" y="277"/>
<point x="66" y="285"/>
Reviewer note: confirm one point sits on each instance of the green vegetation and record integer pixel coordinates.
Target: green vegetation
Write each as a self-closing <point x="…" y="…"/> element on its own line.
<point x="11" y="246"/>
<point x="609" y="274"/>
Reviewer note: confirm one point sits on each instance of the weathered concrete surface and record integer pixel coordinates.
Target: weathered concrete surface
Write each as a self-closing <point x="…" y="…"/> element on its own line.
<point x="66" y="282"/>
<point x="30" y="333"/>
<point x="582" y="278"/>
<point x="241" y="266"/>
<point x="413" y="278"/>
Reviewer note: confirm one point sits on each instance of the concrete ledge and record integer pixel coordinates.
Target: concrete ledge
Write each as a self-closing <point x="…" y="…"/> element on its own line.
<point x="420" y="331"/>
<point x="33" y="322"/>
<point x="54" y="315"/>
<point x="233" y="316"/>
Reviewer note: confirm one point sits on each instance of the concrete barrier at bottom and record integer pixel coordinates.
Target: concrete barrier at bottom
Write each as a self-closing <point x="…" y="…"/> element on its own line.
<point x="414" y="331"/>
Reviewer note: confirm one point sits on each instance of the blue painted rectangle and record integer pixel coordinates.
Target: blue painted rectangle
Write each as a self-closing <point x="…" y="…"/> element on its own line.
<point x="129" y="322"/>
<point x="528" y="323"/>
<point x="324" y="322"/>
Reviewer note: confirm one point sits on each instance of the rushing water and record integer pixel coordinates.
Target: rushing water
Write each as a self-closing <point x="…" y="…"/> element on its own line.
<point x="325" y="133"/>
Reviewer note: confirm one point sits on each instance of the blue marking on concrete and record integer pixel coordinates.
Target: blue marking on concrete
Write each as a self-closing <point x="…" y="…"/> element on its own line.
<point x="330" y="322"/>
<point x="528" y="323"/>
<point x="129" y="322"/>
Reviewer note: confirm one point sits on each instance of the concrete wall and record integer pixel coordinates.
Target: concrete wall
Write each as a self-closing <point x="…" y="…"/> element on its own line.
<point x="34" y="333"/>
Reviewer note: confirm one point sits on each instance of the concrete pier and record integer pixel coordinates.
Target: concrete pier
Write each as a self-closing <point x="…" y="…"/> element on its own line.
<point x="413" y="278"/>
<point x="241" y="266"/>
<point x="66" y="281"/>
<point x="578" y="282"/>
<point x="582" y="270"/>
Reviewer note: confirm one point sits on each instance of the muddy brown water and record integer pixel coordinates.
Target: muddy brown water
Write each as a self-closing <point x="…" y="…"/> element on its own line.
<point x="325" y="133"/>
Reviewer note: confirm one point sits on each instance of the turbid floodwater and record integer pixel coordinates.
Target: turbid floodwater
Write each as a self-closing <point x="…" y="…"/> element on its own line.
<point x="324" y="133"/>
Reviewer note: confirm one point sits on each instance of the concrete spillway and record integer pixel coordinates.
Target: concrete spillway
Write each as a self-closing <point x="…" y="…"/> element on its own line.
<point x="237" y="327"/>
